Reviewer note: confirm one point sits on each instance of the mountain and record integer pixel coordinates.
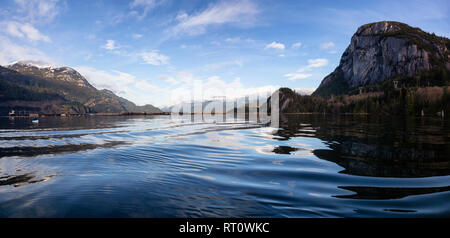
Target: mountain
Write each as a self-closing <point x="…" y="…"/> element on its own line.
<point x="387" y="50"/>
<point x="291" y="101"/>
<point x="38" y="88"/>
<point x="129" y="106"/>
<point x="230" y="103"/>
<point x="389" y="68"/>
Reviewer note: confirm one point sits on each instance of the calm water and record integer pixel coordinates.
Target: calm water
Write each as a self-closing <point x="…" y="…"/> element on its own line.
<point x="313" y="166"/>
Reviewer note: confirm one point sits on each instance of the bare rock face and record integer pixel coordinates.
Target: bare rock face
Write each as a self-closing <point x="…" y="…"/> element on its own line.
<point x="384" y="50"/>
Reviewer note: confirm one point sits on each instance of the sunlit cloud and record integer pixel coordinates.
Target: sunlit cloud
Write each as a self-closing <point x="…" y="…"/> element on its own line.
<point x="294" y="76"/>
<point x="138" y="90"/>
<point x="112" y="80"/>
<point x="11" y="51"/>
<point x="37" y="11"/>
<point x="154" y="58"/>
<point x="314" y="63"/>
<point x="110" y="45"/>
<point x="198" y="89"/>
<point x="23" y="31"/>
<point x="238" y="12"/>
<point x="275" y="45"/>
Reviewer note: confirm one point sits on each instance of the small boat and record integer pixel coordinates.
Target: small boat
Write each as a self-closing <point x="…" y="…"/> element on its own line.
<point x="12" y="113"/>
<point x="35" y="120"/>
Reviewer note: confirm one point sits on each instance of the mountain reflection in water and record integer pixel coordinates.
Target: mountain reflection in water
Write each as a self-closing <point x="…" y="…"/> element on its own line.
<point x="158" y="166"/>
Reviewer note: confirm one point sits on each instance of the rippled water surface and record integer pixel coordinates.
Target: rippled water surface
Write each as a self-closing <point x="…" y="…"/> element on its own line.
<point x="312" y="166"/>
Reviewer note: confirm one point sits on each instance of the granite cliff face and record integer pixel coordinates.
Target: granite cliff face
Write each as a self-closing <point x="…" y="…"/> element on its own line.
<point x="384" y="50"/>
<point x="26" y="86"/>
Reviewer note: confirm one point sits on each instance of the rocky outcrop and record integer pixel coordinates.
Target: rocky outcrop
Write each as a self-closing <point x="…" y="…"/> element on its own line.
<point x="61" y="74"/>
<point x="384" y="50"/>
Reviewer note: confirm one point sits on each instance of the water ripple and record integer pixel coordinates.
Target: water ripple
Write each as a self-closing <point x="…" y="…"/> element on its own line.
<point x="313" y="166"/>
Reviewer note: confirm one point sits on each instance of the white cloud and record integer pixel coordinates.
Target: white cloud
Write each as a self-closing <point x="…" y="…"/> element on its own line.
<point x="21" y="30"/>
<point x="13" y="29"/>
<point x="154" y="58"/>
<point x="327" y="45"/>
<point x="10" y="51"/>
<point x="314" y="63"/>
<point x="239" y="12"/>
<point x="275" y="45"/>
<point x="184" y="77"/>
<point x="139" y="91"/>
<point x="214" y="86"/>
<point x="114" y="81"/>
<point x="180" y="87"/>
<point x="147" y="87"/>
<point x="110" y="45"/>
<point x="181" y="16"/>
<point x="295" y="76"/>
<point x="297" y="45"/>
<point x="33" y="34"/>
<point x="146" y="5"/>
<point x="38" y="11"/>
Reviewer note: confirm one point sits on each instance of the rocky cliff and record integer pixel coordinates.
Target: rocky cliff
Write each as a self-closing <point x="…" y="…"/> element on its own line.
<point x="385" y="50"/>
<point x="45" y="89"/>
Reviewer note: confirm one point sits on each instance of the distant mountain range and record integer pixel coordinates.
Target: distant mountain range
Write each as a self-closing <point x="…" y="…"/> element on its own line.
<point x="240" y="102"/>
<point x="380" y="55"/>
<point x="26" y="86"/>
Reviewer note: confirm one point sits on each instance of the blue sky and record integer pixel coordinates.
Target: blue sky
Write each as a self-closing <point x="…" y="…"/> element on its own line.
<point x="157" y="51"/>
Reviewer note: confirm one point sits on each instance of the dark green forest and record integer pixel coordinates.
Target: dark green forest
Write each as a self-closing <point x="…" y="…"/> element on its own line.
<point x="390" y="101"/>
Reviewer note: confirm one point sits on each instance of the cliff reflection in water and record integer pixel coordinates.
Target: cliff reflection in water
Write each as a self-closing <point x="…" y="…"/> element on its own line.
<point x="375" y="146"/>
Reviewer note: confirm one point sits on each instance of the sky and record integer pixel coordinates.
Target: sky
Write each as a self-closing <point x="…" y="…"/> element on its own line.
<point x="162" y="52"/>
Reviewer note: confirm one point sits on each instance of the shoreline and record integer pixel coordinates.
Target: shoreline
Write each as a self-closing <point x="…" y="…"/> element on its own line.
<point x="90" y="114"/>
<point x="32" y="115"/>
